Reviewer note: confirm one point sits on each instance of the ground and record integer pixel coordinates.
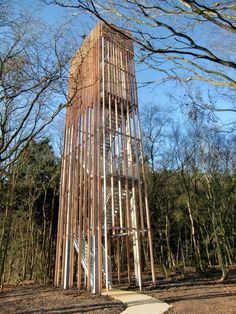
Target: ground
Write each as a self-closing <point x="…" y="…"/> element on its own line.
<point x="198" y="293"/>
<point x="32" y="299"/>
<point x="193" y="294"/>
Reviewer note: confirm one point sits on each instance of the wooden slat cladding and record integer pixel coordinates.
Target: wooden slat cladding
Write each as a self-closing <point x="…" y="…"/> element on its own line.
<point x="102" y="213"/>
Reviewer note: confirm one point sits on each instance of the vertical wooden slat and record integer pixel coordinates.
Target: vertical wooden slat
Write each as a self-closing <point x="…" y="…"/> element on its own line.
<point x="80" y="220"/>
<point x="118" y="259"/>
<point x="61" y="213"/>
<point x="99" y="220"/>
<point x="71" y="206"/>
<point x="128" y="258"/>
<point x="76" y="183"/>
<point x="127" y="139"/>
<point x="147" y="208"/>
<point x="124" y="145"/>
<point x="89" y="201"/>
<point x="67" y="156"/>
<point x="137" y="174"/>
<point x="134" y="214"/>
<point x="85" y="166"/>
<point x="68" y="216"/>
<point x="115" y="135"/>
<point x="104" y="165"/>
<point x="117" y="119"/>
<point x="110" y="68"/>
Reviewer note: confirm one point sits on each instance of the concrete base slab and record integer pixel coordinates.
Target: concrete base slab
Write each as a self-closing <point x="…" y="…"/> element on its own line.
<point x="138" y="303"/>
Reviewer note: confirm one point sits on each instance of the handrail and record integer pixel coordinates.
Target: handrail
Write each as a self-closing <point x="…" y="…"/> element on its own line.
<point x="84" y="261"/>
<point x="84" y="258"/>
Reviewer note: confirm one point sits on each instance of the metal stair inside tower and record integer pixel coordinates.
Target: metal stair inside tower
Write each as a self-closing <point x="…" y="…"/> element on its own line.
<point x="84" y="262"/>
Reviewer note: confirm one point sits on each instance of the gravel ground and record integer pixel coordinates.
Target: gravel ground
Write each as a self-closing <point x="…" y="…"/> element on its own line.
<point x="193" y="294"/>
<point x="29" y="299"/>
<point x="199" y="294"/>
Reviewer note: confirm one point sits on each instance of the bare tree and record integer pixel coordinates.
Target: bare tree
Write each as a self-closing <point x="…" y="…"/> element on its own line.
<point x="182" y="32"/>
<point x="34" y="61"/>
<point x="218" y="106"/>
<point x="155" y="122"/>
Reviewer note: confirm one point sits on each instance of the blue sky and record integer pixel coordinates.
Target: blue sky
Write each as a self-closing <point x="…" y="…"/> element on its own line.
<point x="53" y="14"/>
<point x="152" y="94"/>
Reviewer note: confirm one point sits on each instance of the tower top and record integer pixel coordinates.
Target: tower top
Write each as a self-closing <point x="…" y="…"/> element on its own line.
<point x="122" y="38"/>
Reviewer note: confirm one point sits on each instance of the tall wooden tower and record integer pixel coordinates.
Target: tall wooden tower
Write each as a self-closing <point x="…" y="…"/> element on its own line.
<point x="103" y="224"/>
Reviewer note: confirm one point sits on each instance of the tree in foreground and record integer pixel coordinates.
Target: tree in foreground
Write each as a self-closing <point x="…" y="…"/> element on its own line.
<point x="34" y="59"/>
<point x="29" y="201"/>
<point x="183" y="40"/>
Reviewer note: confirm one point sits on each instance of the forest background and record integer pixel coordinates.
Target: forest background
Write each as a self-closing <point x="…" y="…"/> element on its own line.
<point x="185" y="62"/>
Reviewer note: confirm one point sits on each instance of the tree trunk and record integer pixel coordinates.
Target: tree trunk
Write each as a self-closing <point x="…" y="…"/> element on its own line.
<point x="195" y="244"/>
